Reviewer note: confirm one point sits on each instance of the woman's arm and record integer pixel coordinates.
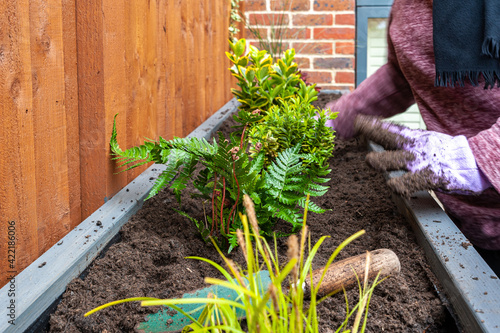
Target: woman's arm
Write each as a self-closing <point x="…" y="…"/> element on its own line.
<point x="384" y="94"/>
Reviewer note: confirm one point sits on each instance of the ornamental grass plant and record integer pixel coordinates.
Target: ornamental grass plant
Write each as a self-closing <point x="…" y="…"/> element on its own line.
<point x="283" y="305"/>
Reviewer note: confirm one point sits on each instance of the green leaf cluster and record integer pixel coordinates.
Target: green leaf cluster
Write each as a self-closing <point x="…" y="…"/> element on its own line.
<point x="289" y="123"/>
<point x="276" y="105"/>
<point x="278" y="191"/>
<point x="262" y="82"/>
<point x="278" y="158"/>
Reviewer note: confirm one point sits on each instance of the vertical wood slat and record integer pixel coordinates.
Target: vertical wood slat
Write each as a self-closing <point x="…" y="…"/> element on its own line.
<point x="47" y="67"/>
<point x="17" y="171"/>
<point x="115" y="91"/>
<point x="71" y="108"/>
<point x="67" y="67"/>
<point x="209" y="39"/>
<point x="91" y="89"/>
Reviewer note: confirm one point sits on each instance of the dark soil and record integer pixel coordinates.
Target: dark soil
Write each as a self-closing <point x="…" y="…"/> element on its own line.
<point x="149" y="259"/>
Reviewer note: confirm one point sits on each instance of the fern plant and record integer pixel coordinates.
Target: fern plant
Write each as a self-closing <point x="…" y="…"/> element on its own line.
<point x="278" y="156"/>
<point x="228" y="173"/>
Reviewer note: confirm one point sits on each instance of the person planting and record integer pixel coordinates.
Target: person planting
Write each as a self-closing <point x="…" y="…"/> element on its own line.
<point x="440" y="55"/>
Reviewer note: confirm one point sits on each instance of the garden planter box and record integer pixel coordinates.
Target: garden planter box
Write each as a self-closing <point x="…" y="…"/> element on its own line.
<point x="470" y="285"/>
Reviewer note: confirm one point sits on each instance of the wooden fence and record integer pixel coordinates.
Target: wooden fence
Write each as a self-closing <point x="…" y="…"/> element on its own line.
<point x="66" y="68"/>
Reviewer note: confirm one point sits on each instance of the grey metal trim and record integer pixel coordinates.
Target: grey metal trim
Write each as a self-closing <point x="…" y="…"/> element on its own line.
<point x="372" y="3"/>
<point x="469" y="283"/>
<point x="42" y="282"/>
<point x="330" y="91"/>
<point x="362" y="16"/>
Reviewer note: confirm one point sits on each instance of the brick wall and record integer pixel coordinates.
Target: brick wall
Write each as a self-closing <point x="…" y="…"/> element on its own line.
<point x="321" y="31"/>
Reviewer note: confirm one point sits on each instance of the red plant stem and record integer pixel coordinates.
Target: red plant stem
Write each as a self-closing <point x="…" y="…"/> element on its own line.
<point x="222" y="204"/>
<point x="242" y="136"/>
<point x="237" y="184"/>
<point x="237" y="197"/>
<point x="213" y="203"/>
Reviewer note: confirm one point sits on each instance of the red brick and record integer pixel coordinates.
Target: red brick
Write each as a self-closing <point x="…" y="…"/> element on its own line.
<point x="334" y="33"/>
<point x="344" y="77"/>
<point x="250" y="35"/>
<point x="313" y="48"/>
<point x="334" y="5"/>
<point x="255" y="5"/>
<point x="334" y="63"/>
<point x="311" y="19"/>
<point x="344" y="48"/>
<point x="303" y="63"/>
<point x="290" y="5"/>
<point x="297" y="33"/>
<point x="345" y="19"/>
<point x="319" y="77"/>
<point x="269" y="19"/>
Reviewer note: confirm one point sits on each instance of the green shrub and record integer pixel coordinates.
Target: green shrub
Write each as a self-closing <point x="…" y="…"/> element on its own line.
<point x="278" y="157"/>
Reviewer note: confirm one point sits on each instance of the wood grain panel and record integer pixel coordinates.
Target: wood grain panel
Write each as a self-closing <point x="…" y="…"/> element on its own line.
<point x="115" y="88"/>
<point x="48" y="87"/>
<point x="172" y="26"/>
<point x="200" y="63"/>
<point x="161" y="69"/>
<point x="210" y="51"/>
<point x="92" y="120"/>
<point x="140" y="57"/>
<point x="178" y="30"/>
<point x="67" y="67"/>
<point x="17" y="171"/>
<point x="71" y="108"/>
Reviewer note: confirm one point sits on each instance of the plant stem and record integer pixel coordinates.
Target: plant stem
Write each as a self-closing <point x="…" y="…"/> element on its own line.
<point x="222" y="203"/>
<point x="237" y="197"/>
<point x="213" y="203"/>
<point x="243" y="135"/>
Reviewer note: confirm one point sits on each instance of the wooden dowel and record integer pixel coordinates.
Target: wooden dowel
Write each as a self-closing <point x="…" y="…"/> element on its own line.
<point x="341" y="274"/>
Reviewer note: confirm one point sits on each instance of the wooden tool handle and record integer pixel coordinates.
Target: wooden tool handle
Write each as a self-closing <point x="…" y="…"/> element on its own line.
<point x="341" y="273"/>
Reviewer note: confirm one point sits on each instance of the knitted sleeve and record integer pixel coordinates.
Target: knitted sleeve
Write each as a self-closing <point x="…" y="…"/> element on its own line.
<point x="385" y="93"/>
<point x="486" y="149"/>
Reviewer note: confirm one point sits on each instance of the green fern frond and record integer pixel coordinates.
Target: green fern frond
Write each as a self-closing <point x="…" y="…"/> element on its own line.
<point x="135" y="156"/>
<point x="198" y="147"/>
<point x="312" y="206"/>
<point x="316" y="190"/>
<point x="161" y="182"/>
<point x="286" y="213"/>
<point x="283" y="171"/>
<point x="176" y="159"/>
<point x="184" y="175"/>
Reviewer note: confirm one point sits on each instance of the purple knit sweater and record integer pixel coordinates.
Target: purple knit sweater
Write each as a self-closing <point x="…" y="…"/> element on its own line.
<point x="408" y="77"/>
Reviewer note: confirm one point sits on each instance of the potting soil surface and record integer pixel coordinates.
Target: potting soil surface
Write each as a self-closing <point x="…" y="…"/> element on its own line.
<point x="149" y="260"/>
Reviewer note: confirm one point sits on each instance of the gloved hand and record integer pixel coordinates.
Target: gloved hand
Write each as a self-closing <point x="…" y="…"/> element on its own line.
<point x="435" y="161"/>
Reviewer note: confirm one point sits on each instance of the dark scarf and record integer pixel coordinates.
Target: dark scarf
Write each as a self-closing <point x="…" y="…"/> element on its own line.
<point x="466" y="42"/>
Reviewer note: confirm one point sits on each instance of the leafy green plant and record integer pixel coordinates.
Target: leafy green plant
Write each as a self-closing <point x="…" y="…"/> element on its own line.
<point x="291" y="122"/>
<point x="276" y="104"/>
<point x="278" y="157"/>
<point x="229" y="173"/>
<point x="263" y="82"/>
<point x="275" y="308"/>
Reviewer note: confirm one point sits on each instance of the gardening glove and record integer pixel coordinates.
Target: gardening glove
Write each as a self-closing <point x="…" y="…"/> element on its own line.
<point x="435" y="161"/>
